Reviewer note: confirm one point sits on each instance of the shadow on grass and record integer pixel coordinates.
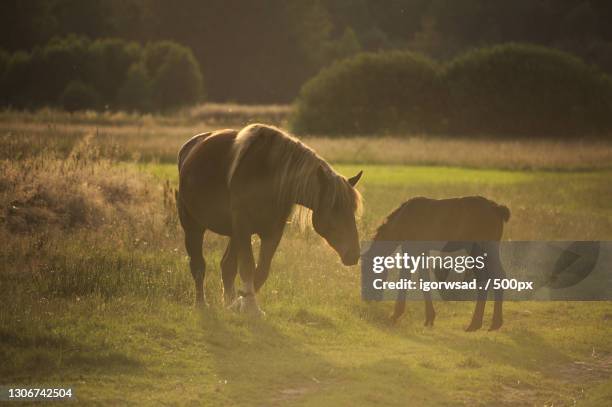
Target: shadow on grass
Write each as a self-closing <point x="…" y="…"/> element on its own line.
<point x="258" y="364"/>
<point x="35" y="355"/>
<point x="522" y="348"/>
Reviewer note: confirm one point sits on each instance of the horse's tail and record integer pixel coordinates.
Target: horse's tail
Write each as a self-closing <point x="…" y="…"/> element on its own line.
<point x="188" y="146"/>
<point x="503" y="211"/>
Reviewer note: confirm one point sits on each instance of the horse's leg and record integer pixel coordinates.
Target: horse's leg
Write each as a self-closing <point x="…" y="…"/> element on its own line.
<point x="430" y="313"/>
<point x="246" y="267"/>
<point x="481" y="296"/>
<point x="197" y="265"/>
<point x="194" y="234"/>
<point x="229" y="269"/>
<point x="498" y="272"/>
<point x="269" y="243"/>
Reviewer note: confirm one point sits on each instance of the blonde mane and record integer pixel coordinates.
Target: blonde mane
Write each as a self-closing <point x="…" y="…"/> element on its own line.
<point x="296" y="167"/>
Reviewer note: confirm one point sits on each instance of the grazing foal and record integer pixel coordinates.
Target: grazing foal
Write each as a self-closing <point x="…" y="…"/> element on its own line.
<point x="468" y="219"/>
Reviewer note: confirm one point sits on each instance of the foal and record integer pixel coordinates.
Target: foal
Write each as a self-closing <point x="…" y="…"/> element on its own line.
<point x="468" y="219"/>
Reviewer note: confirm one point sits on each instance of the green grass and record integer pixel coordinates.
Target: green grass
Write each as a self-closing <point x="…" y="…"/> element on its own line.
<point x="106" y="306"/>
<point x="545" y="205"/>
<point x="112" y="316"/>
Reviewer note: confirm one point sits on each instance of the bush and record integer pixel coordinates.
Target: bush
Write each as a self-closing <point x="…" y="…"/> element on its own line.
<point x="525" y="90"/>
<point x="5" y="59"/>
<point x="107" y="73"/>
<point x="54" y="66"/>
<point x="175" y="73"/>
<point x="136" y="91"/>
<point x="512" y="89"/>
<point x="111" y="61"/>
<point x="371" y="92"/>
<point x="79" y="96"/>
<point x="16" y="80"/>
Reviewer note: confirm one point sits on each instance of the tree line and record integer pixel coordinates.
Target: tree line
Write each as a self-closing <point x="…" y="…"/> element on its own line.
<point x="504" y="90"/>
<point x="77" y="73"/>
<point x="263" y="51"/>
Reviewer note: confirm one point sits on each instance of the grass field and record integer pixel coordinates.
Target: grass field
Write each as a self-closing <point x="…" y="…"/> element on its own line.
<point x="96" y="293"/>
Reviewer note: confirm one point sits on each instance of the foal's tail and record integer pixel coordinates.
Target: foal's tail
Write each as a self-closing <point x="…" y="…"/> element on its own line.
<point x="503" y="211"/>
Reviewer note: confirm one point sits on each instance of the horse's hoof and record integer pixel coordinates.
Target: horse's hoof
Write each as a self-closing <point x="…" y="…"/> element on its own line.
<point x="249" y="307"/>
<point x="229" y="299"/>
<point x="201" y="303"/>
<point x="495" y="325"/>
<point x="473" y="327"/>
<point x="236" y="305"/>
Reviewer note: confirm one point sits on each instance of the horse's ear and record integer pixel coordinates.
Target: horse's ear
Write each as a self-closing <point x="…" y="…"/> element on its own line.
<point x="353" y="181"/>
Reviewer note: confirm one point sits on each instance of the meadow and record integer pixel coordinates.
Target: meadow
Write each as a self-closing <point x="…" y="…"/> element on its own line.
<point x="95" y="291"/>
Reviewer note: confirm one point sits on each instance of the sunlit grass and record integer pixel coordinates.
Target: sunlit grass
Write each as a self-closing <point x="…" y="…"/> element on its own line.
<point x="145" y="139"/>
<point x="106" y="306"/>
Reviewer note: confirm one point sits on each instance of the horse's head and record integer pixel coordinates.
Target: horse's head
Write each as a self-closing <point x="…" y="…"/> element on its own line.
<point x="334" y="216"/>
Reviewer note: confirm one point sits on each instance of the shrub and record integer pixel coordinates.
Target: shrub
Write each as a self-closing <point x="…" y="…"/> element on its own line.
<point x="79" y="96"/>
<point x="111" y="60"/>
<point x="55" y="65"/>
<point x="5" y="58"/>
<point x="162" y="76"/>
<point x="175" y="73"/>
<point x="136" y="91"/>
<point x="16" y="80"/>
<point x="518" y="89"/>
<point x="371" y="92"/>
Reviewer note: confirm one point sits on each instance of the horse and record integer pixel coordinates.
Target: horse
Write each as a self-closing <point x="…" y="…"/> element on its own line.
<point x="247" y="182"/>
<point x="462" y="222"/>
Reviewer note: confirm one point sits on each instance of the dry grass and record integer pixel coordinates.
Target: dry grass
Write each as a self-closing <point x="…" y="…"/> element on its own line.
<point x="234" y="113"/>
<point x="208" y="112"/>
<point x="154" y="140"/>
<point x="476" y="153"/>
<point x="80" y="190"/>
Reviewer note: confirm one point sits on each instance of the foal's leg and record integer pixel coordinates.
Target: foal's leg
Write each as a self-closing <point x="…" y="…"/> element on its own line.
<point x="269" y="243"/>
<point x="430" y="313"/>
<point x="400" y="302"/>
<point x="229" y="269"/>
<point x="400" y="307"/>
<point x="481" y="296"/>
<point x="497" y="271"/>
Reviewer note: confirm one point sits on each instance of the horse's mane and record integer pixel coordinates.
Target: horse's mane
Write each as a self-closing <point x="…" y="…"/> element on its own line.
<point x="296" y="167"/>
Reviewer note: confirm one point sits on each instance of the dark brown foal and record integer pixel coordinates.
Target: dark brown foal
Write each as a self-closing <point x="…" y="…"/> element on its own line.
<point x="468" y="219"/>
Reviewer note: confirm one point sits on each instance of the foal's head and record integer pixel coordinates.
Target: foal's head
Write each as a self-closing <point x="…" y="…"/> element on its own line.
<point x="334" y="216"/>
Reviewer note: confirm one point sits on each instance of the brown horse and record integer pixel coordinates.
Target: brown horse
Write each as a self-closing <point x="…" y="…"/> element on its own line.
<point x="456" y="220"/>
<point x="241" y="183"/>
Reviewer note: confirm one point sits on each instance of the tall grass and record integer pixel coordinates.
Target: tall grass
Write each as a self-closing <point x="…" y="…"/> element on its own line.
<point x="85" y="225"/>
<point x="204" y="113"/>
<point x="157" y="142"/>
